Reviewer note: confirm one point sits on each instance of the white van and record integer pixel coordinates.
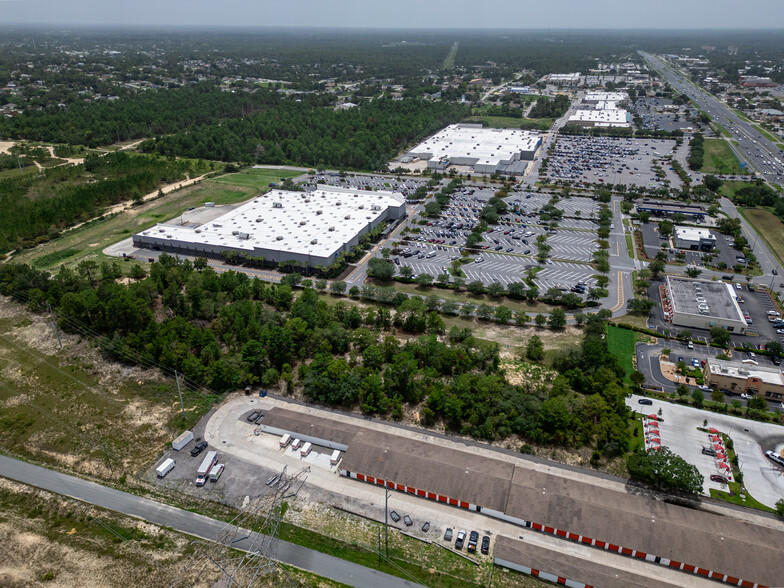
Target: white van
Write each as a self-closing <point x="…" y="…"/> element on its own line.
<point x="305" y="449"/>
<point x="295" y="444"/>
<point x="335" y="457"/>
<point x="431" y="254"/>
<point x="285" y="440"/>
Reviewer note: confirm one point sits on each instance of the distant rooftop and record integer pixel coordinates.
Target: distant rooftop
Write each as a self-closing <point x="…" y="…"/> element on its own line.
<point x="692" y="233"/>
<point x="605" y="117"/>
<point x="744" y="371"/>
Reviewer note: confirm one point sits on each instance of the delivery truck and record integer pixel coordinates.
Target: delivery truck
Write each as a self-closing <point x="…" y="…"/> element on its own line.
<point x="207" y="463"/>
<point x="182" y="440"/>
<point x="165" y="468"/>
<point x="335" y="457"/>
<point x="305" y="449"/>
<point x="284" y="441"/>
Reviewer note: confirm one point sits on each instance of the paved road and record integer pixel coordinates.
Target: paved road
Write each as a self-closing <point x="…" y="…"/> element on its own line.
<point x="190" y="523"/>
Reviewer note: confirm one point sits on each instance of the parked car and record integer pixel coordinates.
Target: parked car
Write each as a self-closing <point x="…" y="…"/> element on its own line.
<point x="472" y="541"/>
<point x="394" y="516"/>
<point x="718" y="478"/>
<point x="485" y="544"/>
<point x="448" y="534"/>
<point x="426" y="527"/>
<point x="746" y="396"/>
<point x="460" y="539"/>
<point x="407" y="520"/>
<point x="709" y="451"/>
<point x="647" y="401"/>
<point x="199" y="447"/>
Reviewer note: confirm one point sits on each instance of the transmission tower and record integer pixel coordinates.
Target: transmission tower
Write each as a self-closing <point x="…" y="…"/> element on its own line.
<point x="243" y="550"/>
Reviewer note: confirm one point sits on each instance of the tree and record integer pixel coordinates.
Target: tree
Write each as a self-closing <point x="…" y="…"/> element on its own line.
<point x="338" y="287"/>
<point x="657" y="268"/>
<point x="720" y="336"/>
<point x="637" y="378"/>
<point x="521" y="317"/>
<point x="484" y="312"/>
<point x="717" y="395"/>
<point x="698" y="397"/>
<point x="639" y="306"/>
<point x="780" y="507"/>
<point x="138" y="273"/>
<point x="406" y="272"/>
<point x="540" y="319"/>
<point x="693" y="272"/>
<point x="557" y="319"/>
<point x="496" y="290"/>
<point x="476" y="287"/>
<point x="424" y="280"/>
<point x="381" y="269"/>
<point x="442" y="278"/>
<point x="534" y="349"/>
<point x="502" y="314"/>
<point x="756" y="403"/>
<point x="664" y="470"/>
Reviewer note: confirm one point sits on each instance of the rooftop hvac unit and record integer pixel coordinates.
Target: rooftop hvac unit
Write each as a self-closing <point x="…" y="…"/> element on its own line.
<point x="216" y="225"/>
<point x="161" y="230"/>
<point x="277" y="205"/>
<point x="361" y="206"/>
<point x="318" y="212"/>
<point x="347" y="217"/>
<point x="307" y="199"/>
<point x="331" y="229"/>
<point x="259" y="220"/>
<point x="244" y="236"/>
<point x="313" y="241"/>
<point x="375" y="207"/>
<point x="279" y="238"/>
<point x="303" y="223"/>
<point x="235" y="232"/>
<point x="337" y="203"/>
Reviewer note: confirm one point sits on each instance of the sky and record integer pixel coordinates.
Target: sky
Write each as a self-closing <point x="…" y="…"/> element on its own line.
<point x="465" y="14"/>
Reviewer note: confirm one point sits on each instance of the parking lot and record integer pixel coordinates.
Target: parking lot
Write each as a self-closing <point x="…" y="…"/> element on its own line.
<point x="405" y="186"/>
<point x="610" y="160"/>
<point x="679" y="431"/>
<point x="654" y="118"/>
<point x="724" y="251"/>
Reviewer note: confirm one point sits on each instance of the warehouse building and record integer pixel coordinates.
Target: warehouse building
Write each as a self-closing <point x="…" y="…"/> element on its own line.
<point x="666" y="209"/>
<point x="694" y="239"/>
<point x="598" y="97"/>
<point x="701" y="304"/>
<point x="739" y="377"/>
<point x="485" y="151"/>
<point x="574" y="508"/>
<point x="310" y="229"/>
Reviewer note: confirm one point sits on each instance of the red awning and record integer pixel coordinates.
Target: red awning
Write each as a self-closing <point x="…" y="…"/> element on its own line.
<point x="655" y="440"/>
<point x="653" y="417"/>
<point x="724" y="466"/>
<point x="715" y="438"/>
<point x="713" y="431"/>
<point x="718" y="447"/>
<point x="721" y="456"/>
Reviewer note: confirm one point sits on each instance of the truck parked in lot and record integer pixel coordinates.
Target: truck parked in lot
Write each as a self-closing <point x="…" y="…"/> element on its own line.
<point x="305" y="449"/>
<point x="182" y="440"/>
<point x="165" y="468"/>
<point x="207" y="463"/>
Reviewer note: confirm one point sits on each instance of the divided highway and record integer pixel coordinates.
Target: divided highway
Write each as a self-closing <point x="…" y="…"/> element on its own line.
<point x="762" y="155"/>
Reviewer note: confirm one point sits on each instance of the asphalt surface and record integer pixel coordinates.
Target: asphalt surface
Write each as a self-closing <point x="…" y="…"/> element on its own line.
<point x="762" y="156"/>
<point x="191" y="523"/>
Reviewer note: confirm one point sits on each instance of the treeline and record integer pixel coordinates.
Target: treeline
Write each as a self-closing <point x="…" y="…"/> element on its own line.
<point x="546" y="108"/>
<point x="305" y="133"/>
<point x="227" y="331"/>
<point x="697" y="152"/>
<point x="34" y="208"/>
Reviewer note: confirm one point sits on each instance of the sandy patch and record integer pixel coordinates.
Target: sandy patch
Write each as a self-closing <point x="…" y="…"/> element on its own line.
<point x="670" y="371"/>
<point x="5" y="146"/>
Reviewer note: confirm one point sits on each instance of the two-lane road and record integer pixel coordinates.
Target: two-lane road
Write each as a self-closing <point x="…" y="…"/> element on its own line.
<point x="191" y="523"/>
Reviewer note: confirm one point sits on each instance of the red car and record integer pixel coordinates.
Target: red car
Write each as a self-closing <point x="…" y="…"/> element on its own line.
<point x="718" y="478"/>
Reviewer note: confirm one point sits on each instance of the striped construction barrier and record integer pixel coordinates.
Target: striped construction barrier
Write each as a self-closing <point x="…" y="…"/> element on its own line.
<point x="649" y="557"/>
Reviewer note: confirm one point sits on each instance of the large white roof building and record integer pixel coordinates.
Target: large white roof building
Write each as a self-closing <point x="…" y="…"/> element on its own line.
<point x="310" y="228"/>
<point x="595" y="97"/>
<point x="487" y="151"/>
<point x="600" y="118"/>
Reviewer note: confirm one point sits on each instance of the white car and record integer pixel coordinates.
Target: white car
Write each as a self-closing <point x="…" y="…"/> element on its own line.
<point x="704" y="387"/>
<point x="746" y="396"/>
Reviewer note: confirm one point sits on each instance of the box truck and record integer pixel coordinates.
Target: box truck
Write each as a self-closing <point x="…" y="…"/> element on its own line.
<point x="305" y="449"/>
<point x="207" y="463"/>
<point x="335" y="457"/>
<point x="182" y="440"/>
<point x="284" y="441"/>
<point x="295" y="444"/>
<point x="165" y="468"/>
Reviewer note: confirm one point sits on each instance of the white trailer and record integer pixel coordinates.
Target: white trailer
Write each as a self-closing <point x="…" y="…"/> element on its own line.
<point x="165" y="468"/>
<point x="284" y="441"/>
<point x="335" y="457"/>
<point x="305" y="449"/>
<point x="295" y="444"/>
<point x="207" y="463"/>
<point x="182" y="440"/>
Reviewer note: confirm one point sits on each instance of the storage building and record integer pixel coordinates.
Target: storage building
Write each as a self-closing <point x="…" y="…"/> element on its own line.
<point x="701" y="304"/>
<point x="694" y="239"/>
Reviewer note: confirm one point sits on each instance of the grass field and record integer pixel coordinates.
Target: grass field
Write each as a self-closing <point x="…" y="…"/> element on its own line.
<point x="449" y="61"/>
<point x="510" y="122"/>
<point x="769" y="228"/>
<point x="719" y="158"/>
<point x="729" y="187"/>
<point x="621" y="342"/>
<point x="256" y="178"/>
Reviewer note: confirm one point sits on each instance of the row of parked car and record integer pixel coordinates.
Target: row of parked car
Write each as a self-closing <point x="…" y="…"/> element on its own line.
<point x="473" y="537"/>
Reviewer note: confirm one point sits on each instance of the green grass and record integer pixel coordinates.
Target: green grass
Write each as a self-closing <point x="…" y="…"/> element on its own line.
<point x="736" y="499"/>
<point x="719" y="158"/>
<point x="729" y="187"/>
<point x="721" y="130"/>
<point x="54" y="257"/>
<point x="256" y="178"/>
<point x="621" y="342"/>
<point x="629" y="245"/>
<point x="14" y="172"/>
<point x="449" y="62"/>
<point x="769" y="227"/>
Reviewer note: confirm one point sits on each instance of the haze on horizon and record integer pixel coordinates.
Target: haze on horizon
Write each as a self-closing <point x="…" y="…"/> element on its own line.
<point x="404" y="14"/>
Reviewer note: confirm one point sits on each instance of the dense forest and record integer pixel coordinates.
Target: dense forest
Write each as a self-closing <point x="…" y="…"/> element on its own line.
<point x="226" y="331"/>
<point x="35" y="207"/>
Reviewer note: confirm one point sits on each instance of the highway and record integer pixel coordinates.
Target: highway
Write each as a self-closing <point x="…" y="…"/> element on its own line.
<point x="763" y="156"/>
<point x="190" y="523"/>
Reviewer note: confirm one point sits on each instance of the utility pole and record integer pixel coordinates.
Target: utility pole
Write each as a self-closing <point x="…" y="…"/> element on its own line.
<point x="177" y="377"/>
<point x="56" y="328"/>
<point x="386" y="520"/>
